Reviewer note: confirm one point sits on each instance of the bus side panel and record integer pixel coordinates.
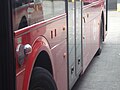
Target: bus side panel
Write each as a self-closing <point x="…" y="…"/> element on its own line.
<point x="59" y="50"/>
<point x="37" y="48"/>
<point x="33" y="21"/>
<point x="60" y="62"/>
<point x="91" y="30"/>
<point x="54" y="32"/>
<point x="86" y="45"/>
<point x="23" y="71"/>
<point x="20" y="79"/>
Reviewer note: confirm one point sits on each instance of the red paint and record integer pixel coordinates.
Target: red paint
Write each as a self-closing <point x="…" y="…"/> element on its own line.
<point x="91" y="29"/>
<point x="40" y="40"/>
<point x="50" y="36"/>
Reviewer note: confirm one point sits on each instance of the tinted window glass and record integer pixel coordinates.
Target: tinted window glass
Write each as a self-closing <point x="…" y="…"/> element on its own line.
<point x="28" y="12"/>
<point x="53" y="8"/>
<point x="20" y="15"/>
<point x="35" y="12"/>
<point x="59" y="7"/>
<point x="86" y="2"/>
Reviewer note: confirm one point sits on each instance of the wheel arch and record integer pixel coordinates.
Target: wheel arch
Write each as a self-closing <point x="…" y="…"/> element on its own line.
<point x="40" y="47"/>
<point x="43" y="60"/>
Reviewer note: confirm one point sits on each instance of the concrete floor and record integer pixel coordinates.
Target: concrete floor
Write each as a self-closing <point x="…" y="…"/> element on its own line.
<point x="103" y="73"/>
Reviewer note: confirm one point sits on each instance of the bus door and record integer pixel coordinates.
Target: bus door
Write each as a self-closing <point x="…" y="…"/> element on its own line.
<point x="74" y="40"/>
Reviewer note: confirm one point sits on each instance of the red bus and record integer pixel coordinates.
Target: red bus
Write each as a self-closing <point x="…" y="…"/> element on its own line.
<point x="55" y="40"/>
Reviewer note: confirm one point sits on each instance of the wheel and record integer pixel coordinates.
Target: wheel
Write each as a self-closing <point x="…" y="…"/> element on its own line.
<point x="41" y="79"/>
<point x="101" y="39"/>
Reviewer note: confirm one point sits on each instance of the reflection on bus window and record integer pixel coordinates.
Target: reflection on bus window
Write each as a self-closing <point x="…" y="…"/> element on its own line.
<point x="53" y="8"/>
<point x="86" y="2"/>
<point x="28" y="12"/>
<point x="18" y="3"/>
<point x="59" y="7"/>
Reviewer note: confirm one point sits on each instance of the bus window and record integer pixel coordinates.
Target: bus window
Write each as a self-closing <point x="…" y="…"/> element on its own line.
<point x="59" y="7"/>
<point x="20" y="15"/>
<point x="27" y="12"/>
<point x="53" y="8"/>
<point x="18" y="3"/>
<point x="25" y="1"/>
<point x="35" y="12"/>
<point x="86" y="2"/>
<point x="31" y="0"/>
<point x="48" y="9"/>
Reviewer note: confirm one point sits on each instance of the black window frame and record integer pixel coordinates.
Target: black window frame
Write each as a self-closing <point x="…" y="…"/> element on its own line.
<point x="7" y="58"/>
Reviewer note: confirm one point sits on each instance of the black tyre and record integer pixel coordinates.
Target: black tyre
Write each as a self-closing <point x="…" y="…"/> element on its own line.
<point x="41" y="79"/>
<point x="101" y="39"/>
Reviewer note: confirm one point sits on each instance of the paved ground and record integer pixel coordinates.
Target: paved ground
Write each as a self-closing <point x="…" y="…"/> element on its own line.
<point x="103" y="72"/>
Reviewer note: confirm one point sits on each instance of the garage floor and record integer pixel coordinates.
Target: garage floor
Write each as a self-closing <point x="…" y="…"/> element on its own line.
<point x="103" y="73"/>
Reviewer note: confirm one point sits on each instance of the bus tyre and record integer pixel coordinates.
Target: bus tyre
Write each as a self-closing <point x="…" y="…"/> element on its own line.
<point x="101" y="39"/>
<point x="41" y="79"/>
